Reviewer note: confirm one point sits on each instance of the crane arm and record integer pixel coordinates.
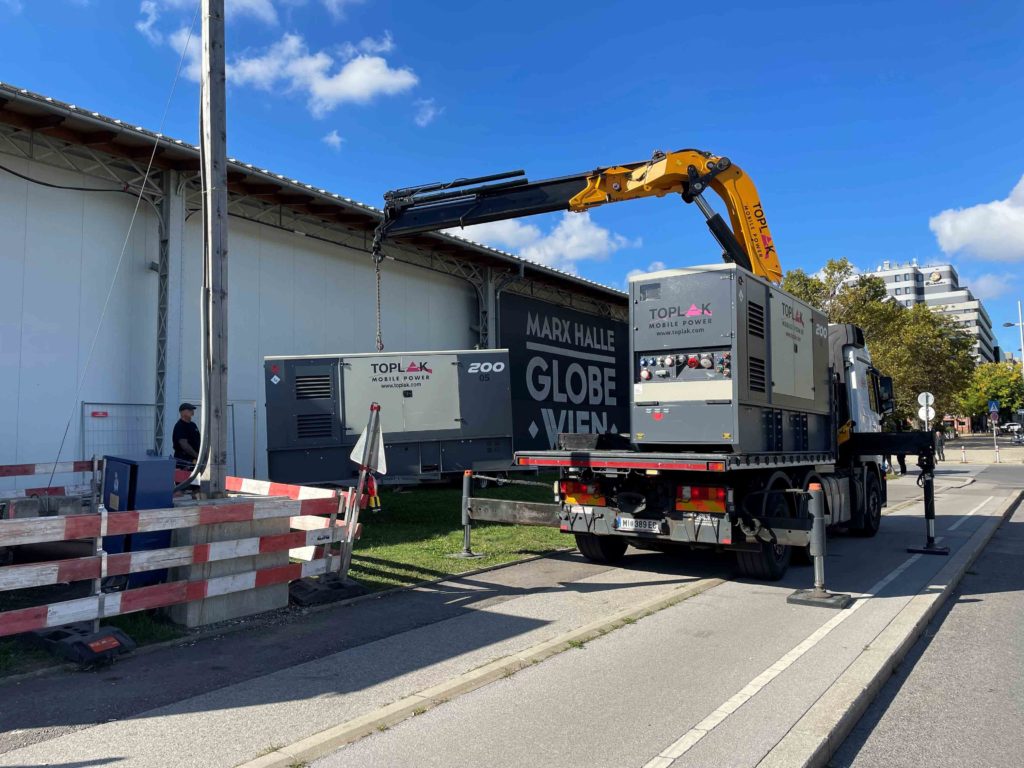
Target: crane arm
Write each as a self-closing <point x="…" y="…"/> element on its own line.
<point x="687" y="172"/>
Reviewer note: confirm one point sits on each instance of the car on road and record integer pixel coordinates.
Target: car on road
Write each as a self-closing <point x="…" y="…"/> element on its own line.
<point x="1010" y="428"/>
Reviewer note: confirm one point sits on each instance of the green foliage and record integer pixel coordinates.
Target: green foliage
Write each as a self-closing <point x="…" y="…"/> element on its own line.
<point x="994" y="381"/>
<point x="920" y="349"/>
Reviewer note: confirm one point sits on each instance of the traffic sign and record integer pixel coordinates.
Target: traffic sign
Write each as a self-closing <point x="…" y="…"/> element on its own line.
<point x="926" y="399"/>
<point x="926" y="413"/>
<point x="993" y="417"/>
<point x="993" y="405"/>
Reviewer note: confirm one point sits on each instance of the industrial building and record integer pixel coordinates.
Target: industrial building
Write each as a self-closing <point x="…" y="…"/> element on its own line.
<point x="301" y="282"/>
<point x="938" y="287"/>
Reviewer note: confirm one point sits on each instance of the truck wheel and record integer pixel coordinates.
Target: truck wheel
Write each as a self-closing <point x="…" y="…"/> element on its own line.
<point x="872" y="517"/>
<point x="601" y="549"/>
<point x="770" y="564"/>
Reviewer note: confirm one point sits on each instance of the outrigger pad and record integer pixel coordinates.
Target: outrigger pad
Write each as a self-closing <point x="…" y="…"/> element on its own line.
<point x="79" y="644"/>
<point x="820" y="599"/>
<point x="320" y="590"/>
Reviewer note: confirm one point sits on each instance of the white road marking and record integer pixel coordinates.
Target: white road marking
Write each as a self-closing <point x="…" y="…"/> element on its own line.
<point x="689" y="739"/>
<point x="963" y="519"/>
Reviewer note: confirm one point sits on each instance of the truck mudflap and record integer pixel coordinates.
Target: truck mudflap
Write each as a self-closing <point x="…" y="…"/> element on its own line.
<point x="708" y="528"/>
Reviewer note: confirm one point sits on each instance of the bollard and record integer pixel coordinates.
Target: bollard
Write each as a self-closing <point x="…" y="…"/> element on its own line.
<point x="818" y="595"/>
<point x="963" y="454"/>
<point x="467" y="527"/>
<point x="927" y="464"/>
<point x="997" y="454"/>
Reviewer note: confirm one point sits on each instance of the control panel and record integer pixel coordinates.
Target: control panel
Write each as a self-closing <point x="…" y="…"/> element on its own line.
<point x="702" y="365"/>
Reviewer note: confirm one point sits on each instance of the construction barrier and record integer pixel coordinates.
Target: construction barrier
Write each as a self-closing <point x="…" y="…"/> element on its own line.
<point x="310" y="519"/>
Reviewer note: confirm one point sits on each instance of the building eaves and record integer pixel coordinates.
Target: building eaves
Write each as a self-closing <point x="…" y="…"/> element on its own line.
<point x="69" y="122"/>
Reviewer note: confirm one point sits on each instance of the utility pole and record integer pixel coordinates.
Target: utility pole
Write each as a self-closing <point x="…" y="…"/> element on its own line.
<point x="215" y="214"/>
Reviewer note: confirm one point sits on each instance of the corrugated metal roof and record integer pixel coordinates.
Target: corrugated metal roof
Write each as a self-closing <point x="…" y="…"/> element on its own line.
<point x="33" y="109"/>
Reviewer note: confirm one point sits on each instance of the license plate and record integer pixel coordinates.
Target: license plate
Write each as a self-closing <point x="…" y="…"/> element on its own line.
<point x="634" y="524"/>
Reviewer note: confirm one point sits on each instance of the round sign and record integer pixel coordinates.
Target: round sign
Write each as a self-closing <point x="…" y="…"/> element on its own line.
<point x="926" y="398"/>
<point x="926" y="413"/>
<point x="993" y="417"/>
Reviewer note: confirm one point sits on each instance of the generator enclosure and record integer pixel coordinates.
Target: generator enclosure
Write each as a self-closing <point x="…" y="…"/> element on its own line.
<point x="441" y="412"/>
<point x="722" y="360"/>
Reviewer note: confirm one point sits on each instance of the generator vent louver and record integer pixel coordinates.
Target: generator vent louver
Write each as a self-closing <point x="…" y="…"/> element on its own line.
<point x="314" y="425"/>
<point x="755" y="371"/>
<point x="755" y="319"/>
<point x="313" y="387"/>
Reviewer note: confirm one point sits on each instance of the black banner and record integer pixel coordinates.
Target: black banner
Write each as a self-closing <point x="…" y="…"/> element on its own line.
<point x="570" y="371"/>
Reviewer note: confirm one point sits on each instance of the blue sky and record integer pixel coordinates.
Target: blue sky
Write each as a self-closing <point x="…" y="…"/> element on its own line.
<point x="861" y="123"/>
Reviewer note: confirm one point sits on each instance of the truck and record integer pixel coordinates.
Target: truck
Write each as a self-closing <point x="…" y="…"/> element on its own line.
<point x="742" y="396"/>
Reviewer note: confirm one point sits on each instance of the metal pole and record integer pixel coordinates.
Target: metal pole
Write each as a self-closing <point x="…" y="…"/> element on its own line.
<point x="467" y="523"/>
<point x="214" y="137"/>
<point x="927" y="464"/>
<point x="815" y="496"/>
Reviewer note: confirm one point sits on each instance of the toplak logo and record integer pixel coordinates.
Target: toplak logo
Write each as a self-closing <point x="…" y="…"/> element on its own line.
<point x="668" y="313"/>
<point x="792" y="313"/>
<point x="413" y="367"/>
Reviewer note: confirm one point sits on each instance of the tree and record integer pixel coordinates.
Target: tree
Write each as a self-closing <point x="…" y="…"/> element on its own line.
<point x="921" y="350"/>
<point x="994" y="381"/>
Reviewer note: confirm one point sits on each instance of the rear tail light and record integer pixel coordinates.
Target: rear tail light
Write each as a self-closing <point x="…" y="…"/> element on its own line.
<point x="700" y="498"/>
<point x="586" y="494"/>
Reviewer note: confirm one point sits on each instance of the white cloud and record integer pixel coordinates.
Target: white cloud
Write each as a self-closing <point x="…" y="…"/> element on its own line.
<point x="991" y="286"/>
<point x="509" y="235"/>
<point x="333" y="140"/>
<point x="192" y="67"/>
<point x="146" y="25"/>
<point x="427" y="112"/>
<point x="337" y="7"/>
<point x="992" y="230"/>
<point x="371" y="45"/>
<point x="290" y="63"/>
<point x="654" y="266"/>
<point x="575" y="238"/>
<point x="151" y="10"/>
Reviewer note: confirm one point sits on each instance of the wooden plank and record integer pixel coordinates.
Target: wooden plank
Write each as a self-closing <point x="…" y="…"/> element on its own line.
<point x="514" y="512"/>
<point x="81" y="568"/>
<point x="145" y="598"/>
<point x="69" y="527"/>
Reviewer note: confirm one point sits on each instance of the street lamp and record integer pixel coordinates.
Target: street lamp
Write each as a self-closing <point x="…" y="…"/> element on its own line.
<point x="1020" y="325"/>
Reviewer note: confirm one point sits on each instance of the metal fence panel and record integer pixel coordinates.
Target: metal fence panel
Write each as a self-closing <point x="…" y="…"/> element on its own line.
<point x="118" y="429"/>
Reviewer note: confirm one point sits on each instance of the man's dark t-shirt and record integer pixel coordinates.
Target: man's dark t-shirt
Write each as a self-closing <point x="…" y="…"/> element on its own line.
<point x="185" y="430"/>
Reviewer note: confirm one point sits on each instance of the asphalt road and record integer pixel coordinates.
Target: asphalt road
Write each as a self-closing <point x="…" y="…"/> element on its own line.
<point x="958" y="698"/>
<point x="223" y="700"/>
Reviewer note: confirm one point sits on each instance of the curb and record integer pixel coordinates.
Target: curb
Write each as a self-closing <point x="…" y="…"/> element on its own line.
<point x="815" y="737"/>
<point x="327" y="741"/>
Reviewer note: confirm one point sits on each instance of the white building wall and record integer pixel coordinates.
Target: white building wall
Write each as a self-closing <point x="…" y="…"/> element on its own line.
<point x="59" y="251"/>
<point x="288" y="295"/>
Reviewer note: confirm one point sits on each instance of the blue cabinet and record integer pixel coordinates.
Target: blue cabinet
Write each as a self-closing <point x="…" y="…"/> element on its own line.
<point x="142" y="482"/>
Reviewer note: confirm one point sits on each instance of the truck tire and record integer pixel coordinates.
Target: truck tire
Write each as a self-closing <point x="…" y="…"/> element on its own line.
<point x="601" y="549"/>
<point x="872" y="516"/>
<point x="769" y="564"/>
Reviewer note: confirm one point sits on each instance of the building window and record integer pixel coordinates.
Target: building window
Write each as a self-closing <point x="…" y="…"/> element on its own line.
<point x="919" y="277"/>
<point x="899" y="291"/>
<point x="897" y="278"/>
<point x="906" y="303"/>
<point x="906" y="276"/>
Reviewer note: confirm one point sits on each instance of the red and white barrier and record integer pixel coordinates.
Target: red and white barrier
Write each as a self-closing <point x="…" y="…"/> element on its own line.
<point x="145" y="598"/>
<point x="38" y="530"/>
<point x="61" y="467"/>
<point x="266" y="488"/>
<point x="81" y="568"/>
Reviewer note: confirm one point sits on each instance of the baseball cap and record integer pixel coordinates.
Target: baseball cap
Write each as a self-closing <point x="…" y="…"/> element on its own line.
<point x="186" y="407"/>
